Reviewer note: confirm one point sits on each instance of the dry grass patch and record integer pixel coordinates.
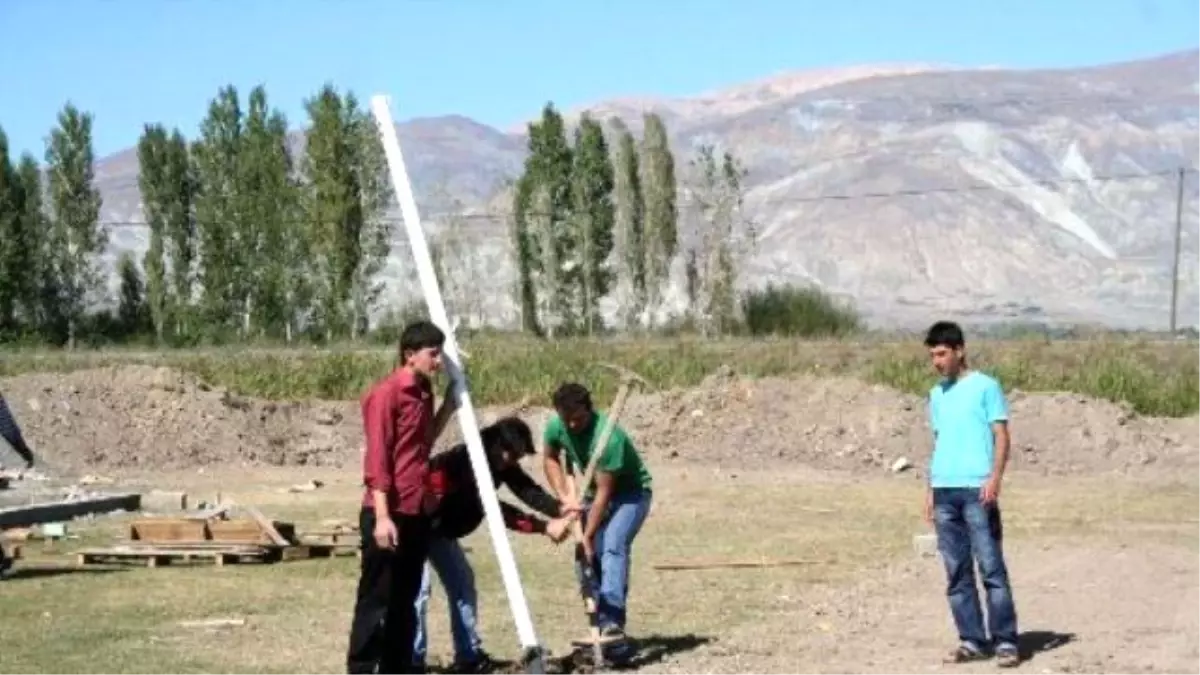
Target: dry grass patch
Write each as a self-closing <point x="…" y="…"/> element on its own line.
<point x="297" y="613"/>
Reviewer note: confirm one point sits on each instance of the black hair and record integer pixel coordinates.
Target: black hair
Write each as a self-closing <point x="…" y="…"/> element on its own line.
<point x="945" y="334"/>
<point x="507" y="433"/>
<point x="571" y="397"/>
<point x="420" y="335"/>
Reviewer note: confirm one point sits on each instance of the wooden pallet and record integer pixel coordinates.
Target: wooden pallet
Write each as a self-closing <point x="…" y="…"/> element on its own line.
<point x="166" y="554"/>
<point x="220" y="554"/>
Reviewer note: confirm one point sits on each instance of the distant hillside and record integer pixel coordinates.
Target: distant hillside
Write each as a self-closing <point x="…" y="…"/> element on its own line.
<point x="990" y="195"/>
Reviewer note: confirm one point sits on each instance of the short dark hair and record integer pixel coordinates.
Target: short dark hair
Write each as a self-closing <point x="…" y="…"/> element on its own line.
<point x="945" y="334"/>
<point x="507" y="433"/>
<point x="420" y="335"/>
<point x="572" y="396"/>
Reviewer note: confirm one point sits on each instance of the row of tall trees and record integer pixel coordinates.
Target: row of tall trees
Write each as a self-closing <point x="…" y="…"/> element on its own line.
<point x="49" y="233"/>
<point x="253" y="235"/>
<point x="245" y="239"/>
<point x="597" y="217"/>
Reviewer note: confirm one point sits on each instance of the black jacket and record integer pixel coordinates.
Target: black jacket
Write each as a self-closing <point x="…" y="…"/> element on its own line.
<point x="11" y="433"/>
<point x="457" y="509"/>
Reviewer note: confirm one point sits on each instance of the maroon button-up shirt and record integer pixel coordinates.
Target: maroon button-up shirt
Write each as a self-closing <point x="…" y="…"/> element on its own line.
<point x="398" y="423"/>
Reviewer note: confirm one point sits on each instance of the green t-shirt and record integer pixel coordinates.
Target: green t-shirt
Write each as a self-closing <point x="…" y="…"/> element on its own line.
<point x="620" y="458"/>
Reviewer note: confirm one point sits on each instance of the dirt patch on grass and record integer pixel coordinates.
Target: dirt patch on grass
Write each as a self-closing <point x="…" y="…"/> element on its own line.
<point x="146" y="417"/>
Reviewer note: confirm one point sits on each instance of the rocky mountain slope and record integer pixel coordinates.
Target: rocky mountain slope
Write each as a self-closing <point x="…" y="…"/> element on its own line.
<point x="916" y="190"/>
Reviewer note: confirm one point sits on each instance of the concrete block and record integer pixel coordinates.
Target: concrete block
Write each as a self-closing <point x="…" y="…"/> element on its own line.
<point x="165" y="501"/>
<point x="925" y="545"/>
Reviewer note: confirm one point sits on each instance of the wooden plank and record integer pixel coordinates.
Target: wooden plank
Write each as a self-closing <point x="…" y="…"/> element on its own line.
<point x="168" y="529"/>
<point x="268" y="527"/>
<point x="57" y="512"/>
<point x="733" y="564"/>
<point x="158" y="556"/>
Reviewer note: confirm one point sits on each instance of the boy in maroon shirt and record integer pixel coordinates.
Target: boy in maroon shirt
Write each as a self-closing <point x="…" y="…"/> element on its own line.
<point x="400" y="428"/>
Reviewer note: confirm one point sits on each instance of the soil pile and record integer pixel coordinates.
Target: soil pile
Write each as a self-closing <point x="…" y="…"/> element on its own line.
<point x="150" y="417"/>
<point x="843" y="423"/>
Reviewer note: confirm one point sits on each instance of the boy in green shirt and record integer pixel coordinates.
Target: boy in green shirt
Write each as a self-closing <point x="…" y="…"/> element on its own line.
<point x="621" y="495"/>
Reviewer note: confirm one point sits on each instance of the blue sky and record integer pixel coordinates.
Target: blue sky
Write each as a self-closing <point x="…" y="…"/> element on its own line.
<point x="497" y="61"/>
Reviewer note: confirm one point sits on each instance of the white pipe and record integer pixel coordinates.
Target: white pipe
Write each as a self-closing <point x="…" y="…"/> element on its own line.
<point x="450" y="358"/>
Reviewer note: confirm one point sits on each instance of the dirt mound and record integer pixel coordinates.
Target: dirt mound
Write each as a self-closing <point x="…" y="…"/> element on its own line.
<point x="158" y="418"/>
<point x="843" y="423"/>
<point x="146" y="417"/>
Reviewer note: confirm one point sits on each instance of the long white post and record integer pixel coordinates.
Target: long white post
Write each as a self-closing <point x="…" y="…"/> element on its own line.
<point x="450" y="357"/>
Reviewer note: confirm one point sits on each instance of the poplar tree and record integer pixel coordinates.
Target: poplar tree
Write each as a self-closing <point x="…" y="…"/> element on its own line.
<point x="661" y="212"/>
<point x="217" y="155"/>
<point x="76" y="236"/>
<point x="156" y="193"/>
<point x="592" y="211"/>
<point x="346" y="193"/>
<point x="629" y="232"/>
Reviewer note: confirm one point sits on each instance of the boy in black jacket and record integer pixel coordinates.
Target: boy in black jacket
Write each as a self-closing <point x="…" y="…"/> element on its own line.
<point x="457" y="511"/>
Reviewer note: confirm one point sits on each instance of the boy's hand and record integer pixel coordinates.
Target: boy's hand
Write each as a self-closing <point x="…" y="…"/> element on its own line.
<point x="990" y="492"/>
<point x="927" y="511"/>
<point x="385" y="534"/>
<point x="556" y="529"/>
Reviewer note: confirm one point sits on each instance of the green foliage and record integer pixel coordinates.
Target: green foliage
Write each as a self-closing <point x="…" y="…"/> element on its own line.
<point x="347" y="191"/>
<point x="629" y="223"/>
<point x="592" y="207"/>
<point x="797" y="312"/>
<point x="76" y="237"/>
<point x="133" y="314"/>
<point x="660" y="206"/>
<point x="1153" y="378"/>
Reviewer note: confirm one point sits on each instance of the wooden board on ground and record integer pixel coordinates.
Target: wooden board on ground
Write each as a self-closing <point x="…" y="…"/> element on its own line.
<point x="156" y="555"/>
<point x="235" y="530"/>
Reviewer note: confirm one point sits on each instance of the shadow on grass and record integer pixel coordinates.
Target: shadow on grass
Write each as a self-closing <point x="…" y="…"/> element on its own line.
<point x="649" y="650"/>
<point x="1033" y="642"/>
<point x="656" y="648"/>
<point x="18" y="572"/>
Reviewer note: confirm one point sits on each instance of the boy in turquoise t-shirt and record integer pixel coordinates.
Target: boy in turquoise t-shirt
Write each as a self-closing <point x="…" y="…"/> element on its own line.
<point x="968" y="414"/>
<point x="621" y="494"/>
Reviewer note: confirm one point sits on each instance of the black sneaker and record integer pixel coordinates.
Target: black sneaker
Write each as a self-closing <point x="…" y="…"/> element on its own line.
<point x="964" y="653"/>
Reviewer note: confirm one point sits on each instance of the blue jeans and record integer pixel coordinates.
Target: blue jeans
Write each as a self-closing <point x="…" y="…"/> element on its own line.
<point x="614" y="547"/>
<point x="968" y="531"/>
<point x="447" y="558"/>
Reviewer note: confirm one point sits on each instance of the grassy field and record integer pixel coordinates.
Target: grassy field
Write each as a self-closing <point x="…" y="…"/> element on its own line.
<point x="297" y="613"/>
<point x="1156" y="378"/>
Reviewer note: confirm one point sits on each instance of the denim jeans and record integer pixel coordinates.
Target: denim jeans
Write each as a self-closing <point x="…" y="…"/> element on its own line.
<point x="970" y="532"/>
<point x="614" y="546"/>
<point x="447" y="558"/>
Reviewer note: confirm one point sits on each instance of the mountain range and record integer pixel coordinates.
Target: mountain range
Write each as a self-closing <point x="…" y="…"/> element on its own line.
<point x="917" y="191"/>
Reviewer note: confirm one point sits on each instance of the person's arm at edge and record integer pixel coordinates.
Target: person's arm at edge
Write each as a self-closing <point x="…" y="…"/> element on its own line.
<point x="12" y="433"/>
<point x="997" y="412"/>
<point x="552" y="466"/>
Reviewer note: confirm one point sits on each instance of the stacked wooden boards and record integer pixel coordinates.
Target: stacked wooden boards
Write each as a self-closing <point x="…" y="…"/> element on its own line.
<point x="211" y="537"/>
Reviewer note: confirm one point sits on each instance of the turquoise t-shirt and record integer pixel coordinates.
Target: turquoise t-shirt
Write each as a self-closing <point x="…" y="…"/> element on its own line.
<point x="961" y="415"/>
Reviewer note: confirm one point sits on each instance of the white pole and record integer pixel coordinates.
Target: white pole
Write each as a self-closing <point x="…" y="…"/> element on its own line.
<point x="450" y="358"/>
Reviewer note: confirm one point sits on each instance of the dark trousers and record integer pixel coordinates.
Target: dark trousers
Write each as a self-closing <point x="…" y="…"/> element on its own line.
<point x="970" y="532"/>
<point x="385" y="617"/>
